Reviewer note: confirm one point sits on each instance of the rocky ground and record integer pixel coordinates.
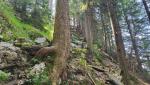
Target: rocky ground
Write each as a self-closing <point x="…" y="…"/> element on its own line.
<point x="14" y="61"/>
<point x="17" y="64"/>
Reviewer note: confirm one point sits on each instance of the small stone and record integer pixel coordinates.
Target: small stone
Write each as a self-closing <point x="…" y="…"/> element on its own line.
<point x="5" y="44"/>
<point x="40" y="40"/>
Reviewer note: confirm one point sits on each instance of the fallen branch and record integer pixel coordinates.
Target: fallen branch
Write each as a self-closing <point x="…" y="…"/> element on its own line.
<point x="107" y="55"/>
<point x="39" y="50"/>
<point x="91" y="78"/>
<point x="45" y="51"/>
<point x="32" y="49"/>
<point x="98" y="69"/>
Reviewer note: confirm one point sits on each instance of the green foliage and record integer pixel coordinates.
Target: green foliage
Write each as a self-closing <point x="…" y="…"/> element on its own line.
<point x="49" y="30"/>
<point x="40" y="79"/>
<point x="83" y="62"/>
<point x="20" y="29"/>
<point x="4" y="76"/>
<point x="6" y="36"/>
<point x="75" y="6"/>
<point x="38" y="76"/>
<point x="80" y="52"/>
<point x="35" y="60"/>
<point x="34" y="12"/>
<point x="75" y="38"/>
<point x="97" y="52"/>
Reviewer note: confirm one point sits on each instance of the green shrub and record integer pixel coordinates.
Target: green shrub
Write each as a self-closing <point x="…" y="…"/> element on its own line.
<point x="97" y="52"/>
<point x="79" y="51"/>
<point x="40" y="79"/>
<point x="83" y="62"/>
<point x="4" y="76"/>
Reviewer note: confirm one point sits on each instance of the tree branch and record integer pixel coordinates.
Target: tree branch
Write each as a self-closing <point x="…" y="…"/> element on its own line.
<point x="45" y="51"/>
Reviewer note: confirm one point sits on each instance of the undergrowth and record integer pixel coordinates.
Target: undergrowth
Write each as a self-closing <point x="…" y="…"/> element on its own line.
<point x="19" y="28"/>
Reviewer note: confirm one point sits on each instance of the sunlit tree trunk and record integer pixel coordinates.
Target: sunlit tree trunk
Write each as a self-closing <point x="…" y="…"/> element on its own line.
<point x="50" y="5"/>
<point x="109" y="41"/>
<point x="119" y="41"/>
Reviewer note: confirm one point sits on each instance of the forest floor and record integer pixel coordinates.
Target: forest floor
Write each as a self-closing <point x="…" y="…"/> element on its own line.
<point x="19" y="67"/>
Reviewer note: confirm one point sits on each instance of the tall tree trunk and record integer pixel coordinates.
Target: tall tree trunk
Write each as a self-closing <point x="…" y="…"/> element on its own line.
<point x="109" y="41"/>
<point x="105" y="39"/>
<point x="119" y="41"/>
<point x="61" y="44"/>
<point x="61" y="39"/>
<point x="148" y="60"/>
<point x="134" y="44"/>
<point x="104" y="33"/>
<point x="101" y="33"/>
<point x="89" y="39"/>
<point x="146" y="8"/>
<point x="88" y="33"/>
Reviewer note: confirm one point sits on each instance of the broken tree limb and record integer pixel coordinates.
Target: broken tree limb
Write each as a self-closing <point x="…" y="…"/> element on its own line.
<point x="32" y="49"/>
<point x="39" y="50"/>
<point x="107" y="55"/>
<point x="45" y="51"/>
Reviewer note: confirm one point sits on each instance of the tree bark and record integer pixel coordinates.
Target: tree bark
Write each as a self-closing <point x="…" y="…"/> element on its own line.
<point x="61" y="42"/>
<point x="104" y="33"/>
<point x="61" y="39"/>
<point x="88" y="33"/>
<point x="119" y="41"/>
<point x="146" y="8"/>
<point x="148" y="60"/>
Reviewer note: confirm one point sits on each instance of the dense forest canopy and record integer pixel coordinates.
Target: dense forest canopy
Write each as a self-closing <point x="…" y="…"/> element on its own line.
<point x="74" y="42"/>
